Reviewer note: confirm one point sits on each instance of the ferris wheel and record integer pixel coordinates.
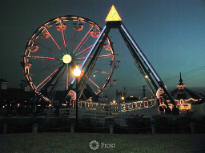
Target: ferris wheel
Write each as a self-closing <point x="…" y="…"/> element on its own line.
<point x="54" y="50"/>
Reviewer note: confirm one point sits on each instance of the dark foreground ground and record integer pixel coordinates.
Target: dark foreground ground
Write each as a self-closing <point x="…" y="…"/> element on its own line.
<point x="119" y="143"/>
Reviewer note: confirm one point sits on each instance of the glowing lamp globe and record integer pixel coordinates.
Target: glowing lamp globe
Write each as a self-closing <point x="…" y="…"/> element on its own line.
<point x="67" y="58"/>
<point x="77" y="71"/>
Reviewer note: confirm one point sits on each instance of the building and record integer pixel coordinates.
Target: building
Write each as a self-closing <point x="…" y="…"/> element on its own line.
<point x="24" y="94"/>
<point x="198" y="107"/>
<point x="3" y="84"/>
<point x="186" y="100"/>
<point x="13" y="98"/>
<point x="184" y="97"/>
<point x="132" y="102"/>
<point x="131" y="99"/>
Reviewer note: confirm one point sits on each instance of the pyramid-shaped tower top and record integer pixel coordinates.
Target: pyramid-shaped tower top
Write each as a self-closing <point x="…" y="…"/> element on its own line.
<point x="113" y="15"/>
<point x="180" y="80"/>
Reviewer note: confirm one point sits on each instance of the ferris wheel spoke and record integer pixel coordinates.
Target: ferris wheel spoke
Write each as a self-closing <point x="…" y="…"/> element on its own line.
<point x="87" y="35"/>
<point x="54" y="40"/>
<point x="101" y="71"/>
<point x="55" y="87"/>
<point x="89" y="86"/>
<point x="96" y="69"/>
<point x="48" y="48"/>
<point x="45" y="68"/>
<point x="84" y="51"/>
<point x="73" y="42"/>
<point x="107" y="55"/>
<point x="100" y="56"/>
<point x="67" y="77"/>
<point x="45" y="81"/>
<point x="93" y="83"/>
<point x="42" y="58"/>
<point x="63" y="35"/>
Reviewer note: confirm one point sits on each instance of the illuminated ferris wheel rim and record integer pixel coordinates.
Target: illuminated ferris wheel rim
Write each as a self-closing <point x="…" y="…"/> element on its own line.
<point x="67" y="57"/>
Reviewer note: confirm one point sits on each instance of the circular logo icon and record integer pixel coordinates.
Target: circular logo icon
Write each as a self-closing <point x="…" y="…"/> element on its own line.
<point x="94" y="145"/>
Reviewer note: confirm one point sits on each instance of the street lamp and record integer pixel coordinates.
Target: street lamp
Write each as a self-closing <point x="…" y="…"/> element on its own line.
<point x="77" y="73"/>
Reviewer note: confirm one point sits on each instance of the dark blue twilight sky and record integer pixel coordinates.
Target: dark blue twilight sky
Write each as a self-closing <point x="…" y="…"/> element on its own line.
<point x="171" y="33"/>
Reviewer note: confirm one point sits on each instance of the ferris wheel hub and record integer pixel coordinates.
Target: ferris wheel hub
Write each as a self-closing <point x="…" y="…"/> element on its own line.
<point x="67" y="58"/>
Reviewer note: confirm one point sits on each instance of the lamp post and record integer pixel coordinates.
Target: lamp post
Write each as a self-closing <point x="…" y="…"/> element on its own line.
<point x="77" y="73"/>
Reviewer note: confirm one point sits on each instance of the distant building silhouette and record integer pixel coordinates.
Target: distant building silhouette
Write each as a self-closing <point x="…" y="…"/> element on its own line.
<point x="184" y="97"/>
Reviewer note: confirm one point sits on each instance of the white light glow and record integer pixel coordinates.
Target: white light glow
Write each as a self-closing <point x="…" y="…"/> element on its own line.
<point x="77" y="71"/>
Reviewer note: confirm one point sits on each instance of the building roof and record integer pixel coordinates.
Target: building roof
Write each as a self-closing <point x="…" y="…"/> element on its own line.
<point x="199" y="102"/>
<point x="181" y="92"/>
<point x="131" y="98"/>
<point x="16" y="94"/>
<point x="2" y="80"/>
<point x="185" y="94"/>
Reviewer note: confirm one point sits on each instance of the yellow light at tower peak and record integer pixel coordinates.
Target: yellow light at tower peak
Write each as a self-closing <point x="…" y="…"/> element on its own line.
<point x="113" y="15"/>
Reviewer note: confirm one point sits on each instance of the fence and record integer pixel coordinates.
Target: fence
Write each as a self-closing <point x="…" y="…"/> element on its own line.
<point x="100" y="112"/>
<point x="134" y="124"/>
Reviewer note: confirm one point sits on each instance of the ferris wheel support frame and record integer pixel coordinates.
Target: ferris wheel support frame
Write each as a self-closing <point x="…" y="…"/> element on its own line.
<point x="139" y="55"/>
<point x="135" y="51"/>
<point x="139" y="64"/>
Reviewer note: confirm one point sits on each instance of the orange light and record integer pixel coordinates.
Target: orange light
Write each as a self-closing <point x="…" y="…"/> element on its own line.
<point x="181" y="86"/>
<point x="113" y="15"/>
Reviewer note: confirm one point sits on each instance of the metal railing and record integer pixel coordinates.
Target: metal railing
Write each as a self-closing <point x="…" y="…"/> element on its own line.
<point x="118" y="112"/>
